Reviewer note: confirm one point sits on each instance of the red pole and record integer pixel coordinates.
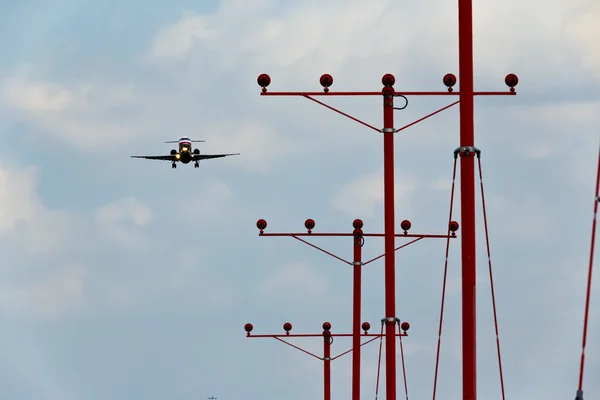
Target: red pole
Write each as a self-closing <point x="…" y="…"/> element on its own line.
<point x="389" y="238"/>
<point x="327" y="365"/>
<point x="467" y="195"/>
<point x="356" y="324"/>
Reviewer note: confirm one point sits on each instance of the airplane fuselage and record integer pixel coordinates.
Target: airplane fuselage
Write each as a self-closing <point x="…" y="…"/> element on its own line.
<point x="185" y="154"/>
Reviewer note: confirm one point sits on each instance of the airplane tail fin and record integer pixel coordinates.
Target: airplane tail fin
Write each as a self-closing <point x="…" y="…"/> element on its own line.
<point x="177" y="141"/>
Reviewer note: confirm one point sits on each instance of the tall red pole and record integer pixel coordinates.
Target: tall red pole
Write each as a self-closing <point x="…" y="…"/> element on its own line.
<point x="467" y="195"/>
<point x="389" y="238"/>
<point x="356" y="324"/>
<point x="326" y="365"/>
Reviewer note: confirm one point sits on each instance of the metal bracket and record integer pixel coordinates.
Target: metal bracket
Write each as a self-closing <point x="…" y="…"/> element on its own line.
<point x="405" y="102"/>
<point x="579" y="395"/>
<point x="467" y="150"/>
<point x="387" y="130"/>
<point x="388" y="319"/>
<point x="357" y="263"/>
<point x="326" y="358"/>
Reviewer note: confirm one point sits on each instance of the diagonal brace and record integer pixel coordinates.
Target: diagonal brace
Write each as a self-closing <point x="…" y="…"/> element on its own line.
<point x="342" y="113"/>
<point x="320" y="249"/>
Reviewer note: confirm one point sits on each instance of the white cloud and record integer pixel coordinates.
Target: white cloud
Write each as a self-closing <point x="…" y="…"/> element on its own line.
<point x="39" y="96"/>
<point x="306" y="38"/>
<point x="99" y="116"/>
<point x="208" y="203"/>
<point x="90" y="115"/>
<point x="365" y="194"/>
<point x="49" y="297"/>
<point x="259" y="145"/>
<point x="22" y="213"/>
<point x="294" y="280"/>
<point x="17" y="197"/>
<point x="121" y="221"/>
<point x="583" y="28"/>
<point x="177" y="40"/>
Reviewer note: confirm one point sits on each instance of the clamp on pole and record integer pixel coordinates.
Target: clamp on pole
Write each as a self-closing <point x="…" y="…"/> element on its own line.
<point x="467" y="150"/>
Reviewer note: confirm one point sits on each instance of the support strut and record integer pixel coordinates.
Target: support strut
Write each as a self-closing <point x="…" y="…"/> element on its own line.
<point x="467" y="199"/>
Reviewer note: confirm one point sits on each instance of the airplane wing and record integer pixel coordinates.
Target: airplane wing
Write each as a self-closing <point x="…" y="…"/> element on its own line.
<point x="198" y="157"/>
<point x="164" y="158"/>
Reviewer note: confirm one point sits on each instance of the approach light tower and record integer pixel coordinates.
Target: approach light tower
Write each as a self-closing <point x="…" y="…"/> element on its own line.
<point x="357" y="263"/>
<point x="467" y="152"/>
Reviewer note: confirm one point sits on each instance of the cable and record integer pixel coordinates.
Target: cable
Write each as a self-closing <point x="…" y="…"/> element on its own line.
<point x="403" y="365"/>
<point x="487" y="242"/>
<point x="437" y="357"/>
<point x="379" y="362"/>
<point x="589" y="286"/>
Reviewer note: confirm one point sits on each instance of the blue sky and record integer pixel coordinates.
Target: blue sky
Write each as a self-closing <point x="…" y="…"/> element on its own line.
<point x="125" y="279"/>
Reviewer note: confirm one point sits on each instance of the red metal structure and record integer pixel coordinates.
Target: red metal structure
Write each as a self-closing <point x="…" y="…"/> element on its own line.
<point x="358" y="240"/>
<point x="467" y="151"/>
<point x="327" y="341"/>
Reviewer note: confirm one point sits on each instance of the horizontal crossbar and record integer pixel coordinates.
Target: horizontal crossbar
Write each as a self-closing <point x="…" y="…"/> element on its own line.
<point x="283" y="335"/>
<point x="379" y="93"/>
<point x="408" y="235"/>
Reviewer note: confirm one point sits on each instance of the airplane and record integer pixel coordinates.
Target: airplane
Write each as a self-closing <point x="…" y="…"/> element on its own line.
<point x="185" y="154"/>
<point x="211" y="398"/>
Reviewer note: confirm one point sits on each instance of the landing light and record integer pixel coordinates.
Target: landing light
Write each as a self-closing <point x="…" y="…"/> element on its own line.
<point x="178" y="156"/>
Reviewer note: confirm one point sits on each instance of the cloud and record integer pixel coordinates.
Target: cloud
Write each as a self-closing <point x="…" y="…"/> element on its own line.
<point x="61" y="263"/>
<point x="294" y="281"/>
<point x="296" y="42"/>
<point x="100" y="116"/>
<point x="88" y="114"/>
<point x="177" y="40"/>
<point x="52" y="296"/>
<point x="364" y="195"/>
<point x="304" y="38"/>
<point x="41" y="96"/>
<point x="582" y="28"/>
<point x="17" y="197"/>
<point x="34" y="283"/>
<point x="121" y="221"/>
<point x="259" y="145"/>
<point x="23" y="216"/>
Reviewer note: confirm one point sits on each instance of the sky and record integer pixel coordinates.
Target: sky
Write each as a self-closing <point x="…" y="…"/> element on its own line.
<point x="126" y="279"/>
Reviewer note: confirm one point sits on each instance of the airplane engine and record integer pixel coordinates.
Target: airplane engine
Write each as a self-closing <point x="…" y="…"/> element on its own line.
<point x="173" y="152"/>
<point x="196" y="151"/>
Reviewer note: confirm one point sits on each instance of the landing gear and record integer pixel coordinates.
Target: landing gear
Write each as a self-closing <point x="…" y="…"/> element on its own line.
<point x="173" y="165"/>
<point x="196" y="165"/>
